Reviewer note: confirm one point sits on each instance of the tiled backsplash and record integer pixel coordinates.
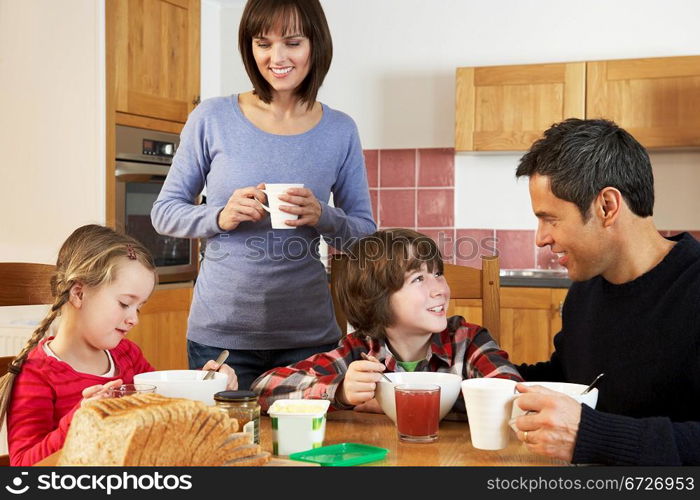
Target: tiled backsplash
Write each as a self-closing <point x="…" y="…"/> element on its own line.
<point x="415" y="188"/>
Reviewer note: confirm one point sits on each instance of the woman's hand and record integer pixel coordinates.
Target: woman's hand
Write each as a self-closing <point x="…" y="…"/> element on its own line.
<point x="360" y="382"/>
<point x="232" y="382"/>
<point x="243" y="205"/>
<point x="307" y="207"/>
<point x="99" y="391"/>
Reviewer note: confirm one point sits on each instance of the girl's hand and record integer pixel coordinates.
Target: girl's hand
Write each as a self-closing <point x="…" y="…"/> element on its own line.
<point x="243" y="205"/>
<point x="360" y="382"/>
<point x="95" y="392"/>
<point x="307" y="207"/>
<point x="232" y="382"/>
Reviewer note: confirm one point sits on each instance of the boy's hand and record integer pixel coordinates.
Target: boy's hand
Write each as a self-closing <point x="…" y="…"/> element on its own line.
<point x="99" y="391"/>
<point x="232" y="382"/>
<point x="371" y="406"/>
<point x="360" y="382"/>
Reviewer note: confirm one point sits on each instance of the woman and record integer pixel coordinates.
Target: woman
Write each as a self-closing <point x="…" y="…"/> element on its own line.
<point x="262" y="293"/>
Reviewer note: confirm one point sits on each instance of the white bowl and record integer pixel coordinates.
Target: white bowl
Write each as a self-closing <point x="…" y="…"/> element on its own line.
<point x="297" y="424"/>
<point x="184" y="384"/>
<point x="572" y="390"/>
<point x="448" y="382"/>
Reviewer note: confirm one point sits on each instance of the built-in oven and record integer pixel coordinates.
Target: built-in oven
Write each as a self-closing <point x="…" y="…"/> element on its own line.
<point x="142" y="162"/>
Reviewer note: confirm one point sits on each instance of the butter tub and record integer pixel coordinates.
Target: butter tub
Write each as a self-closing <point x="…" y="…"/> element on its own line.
<point x="297" y="424"/>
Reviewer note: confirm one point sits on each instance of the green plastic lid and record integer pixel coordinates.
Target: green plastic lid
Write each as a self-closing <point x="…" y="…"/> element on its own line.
<point x="342" y="454"/>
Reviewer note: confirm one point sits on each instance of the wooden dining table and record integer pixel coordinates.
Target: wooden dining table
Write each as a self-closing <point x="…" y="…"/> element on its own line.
<point x="453" y="447"/>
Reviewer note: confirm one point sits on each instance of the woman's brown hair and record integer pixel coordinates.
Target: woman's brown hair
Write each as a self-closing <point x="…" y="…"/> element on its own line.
<point x="376" y="268"/>
<point x="305" y="17"/>
<point x="91" y="256"/>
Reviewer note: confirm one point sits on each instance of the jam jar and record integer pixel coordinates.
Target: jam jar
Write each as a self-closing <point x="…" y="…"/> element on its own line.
<point x="244" y="407"/>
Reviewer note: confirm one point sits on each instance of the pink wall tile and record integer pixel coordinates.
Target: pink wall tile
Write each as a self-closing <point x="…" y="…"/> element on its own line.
<point x="436" y="167"/>
<point x="374" y="199"/>
<point x="471" y="244"/>
<point x="372" y="166"/>
<point x="445" y="241"/>
<point x="397" y="208"/>
<point x="516" y="248"/>
<point x="436" y="207"/>
<point x="546" y="259"/>
<point x="397" y="168"/>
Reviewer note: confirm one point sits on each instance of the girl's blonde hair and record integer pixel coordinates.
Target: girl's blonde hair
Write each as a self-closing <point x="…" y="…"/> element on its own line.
<point x="89" y="256"/>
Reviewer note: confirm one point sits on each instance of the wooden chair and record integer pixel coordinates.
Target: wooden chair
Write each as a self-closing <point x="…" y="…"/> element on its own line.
<point x="465" y="283"/>
<point x="23" y="284"/>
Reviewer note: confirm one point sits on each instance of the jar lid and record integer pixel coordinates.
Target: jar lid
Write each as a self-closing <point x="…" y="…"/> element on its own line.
<point x="235" y="396"/>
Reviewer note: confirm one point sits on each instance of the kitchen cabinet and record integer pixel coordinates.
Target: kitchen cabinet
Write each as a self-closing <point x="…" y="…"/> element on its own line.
<point x="508" y="107"/>
<point x="501" y="108"/>
<point x="530" y="317"/>
<point x="153" y="59"/>
<point x="162" y="330"/>
<point x="656" y="100"/>
<point x="152" y="71"/>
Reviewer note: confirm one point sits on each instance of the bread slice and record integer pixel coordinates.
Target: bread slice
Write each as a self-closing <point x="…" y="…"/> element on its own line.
<point x="250" y="460"/>
<point x="151" y="430"/>
<point x="231" y="448"/>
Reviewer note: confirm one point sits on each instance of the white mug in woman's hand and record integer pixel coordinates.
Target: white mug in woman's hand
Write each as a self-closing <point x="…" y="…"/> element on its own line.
<point x="277" y="217"/>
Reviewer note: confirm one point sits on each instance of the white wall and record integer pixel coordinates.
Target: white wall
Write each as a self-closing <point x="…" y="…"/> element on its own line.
<point x="221" y="67"/>
<point x="393" y="72"/>
<point x="52" y="124"/>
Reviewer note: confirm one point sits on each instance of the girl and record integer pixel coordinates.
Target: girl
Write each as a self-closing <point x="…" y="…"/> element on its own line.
<point x="102" y="280"/>
<point x="262" y="293"/>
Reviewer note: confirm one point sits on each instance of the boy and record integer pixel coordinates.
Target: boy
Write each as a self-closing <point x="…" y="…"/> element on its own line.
<point x="395" y="295"/>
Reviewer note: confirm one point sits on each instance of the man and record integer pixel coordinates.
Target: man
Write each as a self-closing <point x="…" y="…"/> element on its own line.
<point x="633" y="311"/>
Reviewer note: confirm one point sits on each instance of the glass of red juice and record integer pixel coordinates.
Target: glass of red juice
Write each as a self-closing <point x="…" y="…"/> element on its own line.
<point x="417" y="412"/>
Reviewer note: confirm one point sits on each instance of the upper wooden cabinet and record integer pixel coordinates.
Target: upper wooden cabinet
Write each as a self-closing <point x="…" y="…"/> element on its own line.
<point x="507" y="107"/>
<point x="153" y="50"/>
<point x="656" y="100"/>
<point x="501" y="108"/>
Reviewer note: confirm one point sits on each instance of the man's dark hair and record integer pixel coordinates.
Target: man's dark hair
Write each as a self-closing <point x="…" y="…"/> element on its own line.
<point x="581" y="157"/>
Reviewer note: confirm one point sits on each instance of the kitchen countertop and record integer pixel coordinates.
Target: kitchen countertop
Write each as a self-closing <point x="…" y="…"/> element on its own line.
<point x="534" y="278"/>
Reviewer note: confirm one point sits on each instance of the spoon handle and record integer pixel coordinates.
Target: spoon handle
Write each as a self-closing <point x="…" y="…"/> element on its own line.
<point x="222" y="357"/>
<point x="592" y="384"/>
<point x="372" y="358"/>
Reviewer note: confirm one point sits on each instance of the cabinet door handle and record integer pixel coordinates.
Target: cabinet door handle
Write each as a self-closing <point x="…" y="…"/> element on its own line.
<point x="560" y="308"/>
<point x="196" y="101"/>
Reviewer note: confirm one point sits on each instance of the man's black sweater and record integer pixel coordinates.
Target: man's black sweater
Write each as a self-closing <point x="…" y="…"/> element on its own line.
<point x="645" y="336"/>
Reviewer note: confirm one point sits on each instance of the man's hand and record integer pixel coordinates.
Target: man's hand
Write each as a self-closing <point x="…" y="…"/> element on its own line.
<point x="551" y="427"/>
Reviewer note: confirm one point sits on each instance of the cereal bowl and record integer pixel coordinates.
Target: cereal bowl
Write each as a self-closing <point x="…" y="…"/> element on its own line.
<point x="187" y="384"/>
<point x="572" y="390"/>
<point x="448" y="382"/>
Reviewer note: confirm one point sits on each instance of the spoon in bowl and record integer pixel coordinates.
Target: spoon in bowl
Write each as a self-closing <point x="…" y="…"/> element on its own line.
<point x="372" y="358"/>
<point x="219" y="361"/>
<point x="592" y="384"/>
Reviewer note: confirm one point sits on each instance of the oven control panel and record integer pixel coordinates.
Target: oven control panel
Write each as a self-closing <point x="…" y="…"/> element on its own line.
<point x="158" y="148"/>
